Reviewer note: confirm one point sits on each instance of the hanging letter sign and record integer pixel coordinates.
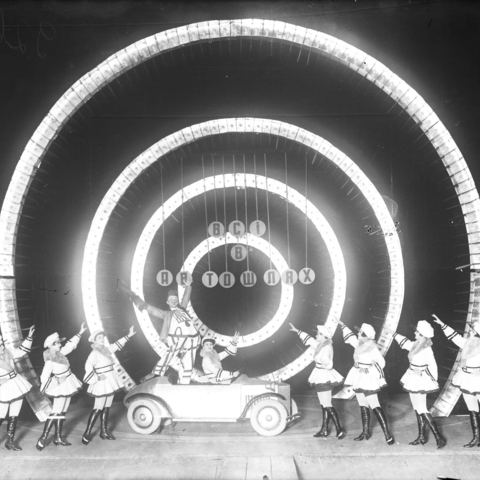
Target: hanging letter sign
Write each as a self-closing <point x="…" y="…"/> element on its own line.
<point x="238" y="253"/>
<point x="164" y="278"/>
<point x="227" y="280"/>
<point x="248" y="278"/>
<point x="184" y="278"/>
<point x="216" y="230"/>
<point x="210" y="279"/>
<point x="271" y="277"/>
<point x="306" y="276"/>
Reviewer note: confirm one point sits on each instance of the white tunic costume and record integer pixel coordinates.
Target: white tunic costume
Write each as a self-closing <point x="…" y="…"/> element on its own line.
<point x="323" y="377"/>
<point x="100" y="371"/>
<point x="57" y="380"/>
<point x="467" y="378"/>
<point x="12" y="385"/>
<point x="212" y="365"/>
<point x="422" y="375"/>
<point x="366" y="376"/>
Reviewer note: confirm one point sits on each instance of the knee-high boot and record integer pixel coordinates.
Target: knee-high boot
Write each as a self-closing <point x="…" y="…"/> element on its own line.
<point x="323" y="432"/>
<point x="382" y="420"/>
<point x="365" y="414"/>
<point x="87" y="436"/>
<point x="334" y="415"/>
<point x="11" y="427"/>
<point x="42" y="441"/>
<point x="441" y="442"/>
<point x="59" y="440"/>
<point x="474" y="420"/>
<point x="105" y="434"/>
<point x="421" y="431"/>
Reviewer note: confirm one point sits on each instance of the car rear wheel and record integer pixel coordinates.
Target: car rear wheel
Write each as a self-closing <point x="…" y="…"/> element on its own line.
<point x="144" y="416"/>
<point x="269" y="417"/>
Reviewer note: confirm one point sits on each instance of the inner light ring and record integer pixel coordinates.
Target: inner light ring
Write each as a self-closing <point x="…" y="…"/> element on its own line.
<point x="239" y="181"/>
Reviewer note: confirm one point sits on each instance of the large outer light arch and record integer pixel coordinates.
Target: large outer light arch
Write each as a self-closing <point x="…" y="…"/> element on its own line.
<point x="127" y="58"/>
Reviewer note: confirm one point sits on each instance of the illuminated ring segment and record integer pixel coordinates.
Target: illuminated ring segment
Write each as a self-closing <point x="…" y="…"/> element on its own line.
<point x="243" y="181"/>
<point x="193" y="258"/>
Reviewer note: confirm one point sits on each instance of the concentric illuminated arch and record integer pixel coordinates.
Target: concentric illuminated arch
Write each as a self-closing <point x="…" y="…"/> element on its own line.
<point x="241" y="181"/>
<point x="127" y="58"/>
<point x="232" y="125"/>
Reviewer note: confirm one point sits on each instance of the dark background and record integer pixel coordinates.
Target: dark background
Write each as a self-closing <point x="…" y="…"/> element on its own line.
<point x="46" y="46"/>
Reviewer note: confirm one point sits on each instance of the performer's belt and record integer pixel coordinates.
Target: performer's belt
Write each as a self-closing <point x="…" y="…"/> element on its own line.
<point x="470" y="369"/>
<point x="362" y="365"/>
<point x="10" y="375"/>
<point x="66" y="373"/>
<point x="417" y="368"/>
<point x="106" y="369"/>
<point x="319" y="365"/>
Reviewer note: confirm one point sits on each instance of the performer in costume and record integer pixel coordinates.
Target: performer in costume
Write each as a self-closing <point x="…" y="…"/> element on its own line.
<point x="59" y="383"/>
<point x="13" y="387"/>
<point x="102" y="381"/>
<point x="212" y="360"/>
<point x="366" y="377"/>
<point x="467" y="377"/>
<point x="323" y="377"/>
<point x="421" y="379"/>
<point x="181" y="338"/>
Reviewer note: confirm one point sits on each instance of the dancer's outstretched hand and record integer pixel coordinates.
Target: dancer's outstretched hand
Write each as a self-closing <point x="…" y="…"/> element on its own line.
<point x="436" y="319"/>
<point x="31" y="331"/>
<point x="293" y="329"/>
<point x="82" y="328"/>
<point x="132" y="331"/>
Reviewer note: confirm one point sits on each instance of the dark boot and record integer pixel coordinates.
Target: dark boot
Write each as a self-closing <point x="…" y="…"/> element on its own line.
<point x="475" y="442"/>
<point x="323" y="432"/>
<point x="441" y="442"/>
<point x="105" y="434"/>
<point x="11" y="427"/>
<point x="421" y="431"/>
<point x="42" y="441"/>
<point x="333" y="414"/>
<point x="365" y="414"/>
<point x="382" y="420"/>
<point x="59" y="440"/>
<point x="91" y="422"/>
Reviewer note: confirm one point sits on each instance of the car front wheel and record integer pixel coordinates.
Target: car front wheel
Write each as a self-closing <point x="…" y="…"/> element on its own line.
<point x="144" y="416"/>
<point x="269" y="417"/>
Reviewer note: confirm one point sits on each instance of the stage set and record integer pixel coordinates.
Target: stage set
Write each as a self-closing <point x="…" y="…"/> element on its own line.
<point x="240" y="240"/>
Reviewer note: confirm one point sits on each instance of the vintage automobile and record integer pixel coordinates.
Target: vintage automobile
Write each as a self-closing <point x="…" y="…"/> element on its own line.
<point x="268" y="405"/>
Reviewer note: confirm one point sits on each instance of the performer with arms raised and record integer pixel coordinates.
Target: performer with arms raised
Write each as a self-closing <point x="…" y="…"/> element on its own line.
<point x="13" y="386"/>
<point x="366" y="377"/>
<point x="323" y="377"/>
<point x="58" y="382"/>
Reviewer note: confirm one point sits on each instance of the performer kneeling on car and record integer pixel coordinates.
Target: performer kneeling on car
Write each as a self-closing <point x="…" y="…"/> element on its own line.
<point x="212" y="360"/>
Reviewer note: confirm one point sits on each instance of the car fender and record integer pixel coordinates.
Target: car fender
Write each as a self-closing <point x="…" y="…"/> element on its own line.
<point x="260" y="397"/>
<point x="154" y="398"/>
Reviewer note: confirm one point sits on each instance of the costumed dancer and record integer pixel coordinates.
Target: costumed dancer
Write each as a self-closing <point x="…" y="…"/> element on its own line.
<point x="58" y="382"/>
<point x="421" y="379"/>
<point x="323" y="377"/>
<point x="181" y="338"/>
<point x="13" y="387"/>
<point x="366" y="377"/>
<point x="102" y="380"/>
<point x="467" y="377"/>
<point x="212" y="360"/>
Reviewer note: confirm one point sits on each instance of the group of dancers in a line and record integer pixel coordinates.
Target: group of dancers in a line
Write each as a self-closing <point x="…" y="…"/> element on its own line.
<point x="59" y="383"/>
<point x="366" y="376"/>
<point x="367" y="379"/>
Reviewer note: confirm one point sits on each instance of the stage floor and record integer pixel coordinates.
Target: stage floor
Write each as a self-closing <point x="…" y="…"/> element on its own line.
<point x="234" y="451"/>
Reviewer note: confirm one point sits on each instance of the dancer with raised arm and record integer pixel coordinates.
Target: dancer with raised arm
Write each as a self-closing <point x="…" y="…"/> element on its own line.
<point x="366" y="377"/>
<point x="467" y="377"/>
<point x="323" y="377"/>
<point x="421" y="379"/>
<point x="58" y="382"/>
<point x="102" y="380"/>
<point x="177" y="331"/>
<point x="212" y="360"/>
<point x="13" y="387"/>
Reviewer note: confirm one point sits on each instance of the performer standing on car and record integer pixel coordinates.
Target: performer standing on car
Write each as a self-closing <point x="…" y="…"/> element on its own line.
<point x="467" y="377"/>
<point x="177" y="331"/>
<point x="59" y="383"/>
<point x="102" y="380"/>
<point x="366" y="377"/>
<point x="13" y="386"/>
<point x="421" y="378"/>
<point x="212" y="361"/>
<point x="323" y="377"/>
